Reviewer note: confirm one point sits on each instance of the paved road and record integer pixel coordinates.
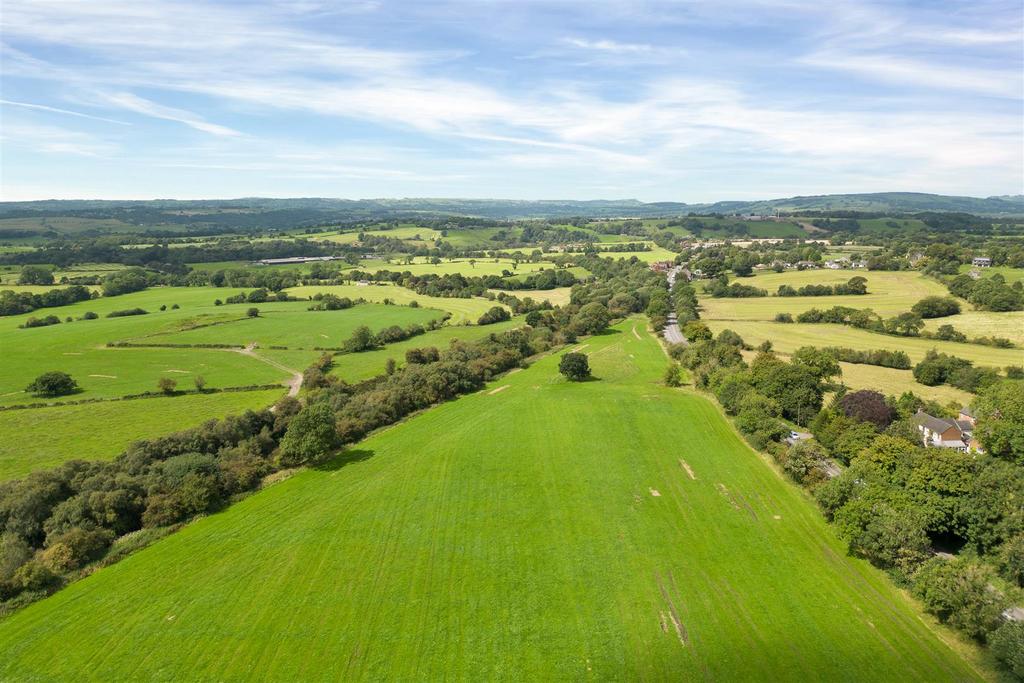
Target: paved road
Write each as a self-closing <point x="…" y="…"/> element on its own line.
<point x="673" y="335"/>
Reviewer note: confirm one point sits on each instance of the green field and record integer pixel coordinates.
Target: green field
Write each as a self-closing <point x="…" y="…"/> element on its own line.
<point x="984" y="324"/>
<point x="293" y="326"/>
<point x="888" y="293"/>
<point x="79" y="347"/>
<point x="787" y="338"/>
<point x="559" y="296"/>
<point x="356" y="367"/>
<point x="1011" y="275"/>
<point x="49" y="436"/>
<point x="464" y="311"/>
<point x="481" y="267"/>
<point x="892" y="381"/>
<point x="486" y="540"/>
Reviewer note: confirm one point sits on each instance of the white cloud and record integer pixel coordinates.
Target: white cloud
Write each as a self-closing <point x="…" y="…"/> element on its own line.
<point x="139" y="105"/>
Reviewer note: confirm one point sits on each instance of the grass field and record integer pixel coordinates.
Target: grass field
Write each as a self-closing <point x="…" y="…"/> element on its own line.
<point x="295" y="326"/>
<point x="888" y="293"/>
<point x="484" y="540"/>
<point x="559" y="296"/>
<point x="483" y="266"/>
<point x="1011" y="275"/>
<point x="787" y="338"/>
<point x="49" y="436"/>
<point x="79" y="347"/>
<point x="464" y="311"/>
<point x="356" y="367"/>
<point x="984" y="324"/>
<point x="892" y="381"/>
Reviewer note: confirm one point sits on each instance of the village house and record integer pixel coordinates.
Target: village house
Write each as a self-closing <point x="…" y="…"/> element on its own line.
<point x="940" y="432"/>
<point x="981" y="262"/>
<point x="662" y="266"/>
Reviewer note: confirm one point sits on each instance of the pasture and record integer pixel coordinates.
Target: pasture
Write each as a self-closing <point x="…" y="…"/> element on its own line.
<point x="559" y="296"/>
<point x="892" y="381"/>
<point x="52" y="435"/>
<point x="787" y="338"/>
<point x="634" y="537"/>
<point x="356" y="367"/>
<point x="889" y="293"/>
<point x="1009" y="324"/>
<point x="1011" y="275"/>
<point x="479" y="267"/>
<point x="291" y="325"/>
<point x="464" y="311"/>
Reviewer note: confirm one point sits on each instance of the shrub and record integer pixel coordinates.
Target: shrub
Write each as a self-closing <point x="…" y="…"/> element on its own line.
<point x="40" y="322"/>
<point x="166" y="385"/>
<point x="496" y="314"/>
<point x="54" y="383"/>
<point x="673" y="376"/>
<point x="1007" y="643"/>
<point x="126" y="312"/>
<point x="936" y="307"/>
<point x="575" y="366"/>
<point x="783" y="317"/>
<point x="253" y="312"/>
<point x="958" y="592"/>
<point x="89" y="315"/>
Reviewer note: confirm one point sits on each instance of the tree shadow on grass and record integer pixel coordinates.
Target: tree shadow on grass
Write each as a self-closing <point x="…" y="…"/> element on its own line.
<point x="346" y="457"/>
<point x="608" y="331"/>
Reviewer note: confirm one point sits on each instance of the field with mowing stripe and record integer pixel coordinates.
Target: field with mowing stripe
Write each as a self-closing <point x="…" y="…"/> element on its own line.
<point x="484" y="539"/>
<point x="559" y="296"/>
<point x="892" y="381"/>
<point x="464" y="311"/>
<point x="47" y="437"/>
<point x="296" y="326"/>
<point x="356" y="367"/>
<point x="1009" y="324"/>
<point x="483" y="266"/>
<point x="787" y="338"/>
<point x="888" y="293"/>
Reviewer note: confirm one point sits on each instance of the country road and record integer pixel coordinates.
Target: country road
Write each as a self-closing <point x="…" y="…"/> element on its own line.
<point x="673" y="335"/>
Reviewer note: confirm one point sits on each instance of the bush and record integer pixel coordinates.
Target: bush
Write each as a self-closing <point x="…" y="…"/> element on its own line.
<point x="166" y="385"/>
<point x="783" y="317"/>
<point x="54" y="383"/>
<point x="40" y="322"/>
<point x="936" y="307"/>
<point x="89" y="315"/>
<point x="575" y="366"/>
<point x="253" y="312"/>
<point x="1007" y="643"/>
<point x="126" y="312"/>
<point x="959" y="592"/>
<point x="673" y="376"/>
<point x="496" y="314"/>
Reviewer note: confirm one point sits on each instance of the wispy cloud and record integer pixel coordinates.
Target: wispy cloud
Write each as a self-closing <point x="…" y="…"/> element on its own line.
<point x="139" y="105"/>
<point x="66" y="112"/>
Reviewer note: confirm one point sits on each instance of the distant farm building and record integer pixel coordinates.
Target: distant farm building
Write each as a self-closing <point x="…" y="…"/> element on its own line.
<point x="662" y="266"/>
<point x="296" y="259"/>
<point x="981" y="262"/>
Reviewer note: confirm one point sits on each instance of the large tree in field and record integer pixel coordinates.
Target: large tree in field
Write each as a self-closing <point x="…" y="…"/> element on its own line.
<point x="575" y="366"/>
<point x="35" y="275"/>
<point x="310" y="436"/>
<point x="54" y="383"/>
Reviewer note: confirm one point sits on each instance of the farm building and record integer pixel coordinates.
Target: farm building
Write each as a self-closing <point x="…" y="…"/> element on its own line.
<point x="296" y="259"/>
<point x="981" y="262"/>
<point x="944" y="433"/>
<point x="662" y="266"/>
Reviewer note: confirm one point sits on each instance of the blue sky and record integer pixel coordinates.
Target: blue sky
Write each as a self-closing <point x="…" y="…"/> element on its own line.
<point x="684" y="101"/>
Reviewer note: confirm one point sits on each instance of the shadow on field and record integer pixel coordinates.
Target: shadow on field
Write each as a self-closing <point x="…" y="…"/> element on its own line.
<point x="346" y="457"/>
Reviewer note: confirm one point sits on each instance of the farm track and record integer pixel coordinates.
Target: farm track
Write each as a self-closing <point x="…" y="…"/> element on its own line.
<point x="294" y="384"/>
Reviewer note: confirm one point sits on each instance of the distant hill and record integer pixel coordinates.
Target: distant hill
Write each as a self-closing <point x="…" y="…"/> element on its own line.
<point x="255" y="213"/>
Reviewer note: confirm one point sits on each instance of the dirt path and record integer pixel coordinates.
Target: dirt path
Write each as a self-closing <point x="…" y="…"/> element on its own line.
<point x="293" y="384"/>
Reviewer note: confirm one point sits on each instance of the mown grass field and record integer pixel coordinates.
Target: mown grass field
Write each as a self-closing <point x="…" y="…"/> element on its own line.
<point x="1011" y="275"/>
<point x="559" y="296"/>
<point x="888" y="293"/>
<point x="292" y="325"/>
<point x="464" y="311"/>
<point x="1009" y="324"/>
<point x="892" y="381"/>
<point x="787" y="338"/>
<point x="483" y="266"/>
<point x="356" y="367"/>
<point x="49" y="436"/>
<point x="486" y="540"/>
